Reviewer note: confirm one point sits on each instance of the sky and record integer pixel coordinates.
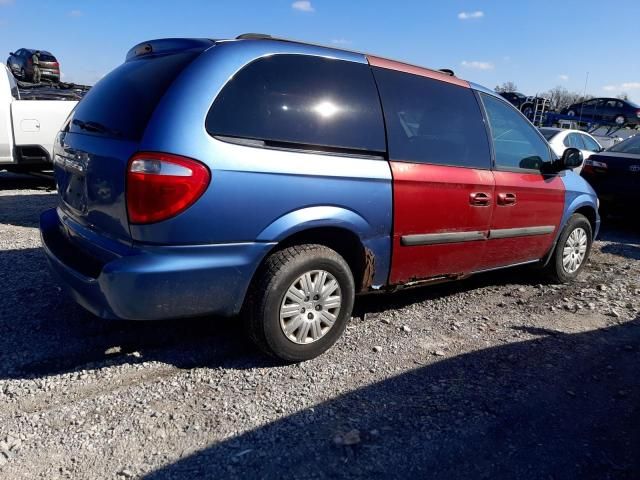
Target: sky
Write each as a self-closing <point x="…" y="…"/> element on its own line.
<point x="536" y="44"/>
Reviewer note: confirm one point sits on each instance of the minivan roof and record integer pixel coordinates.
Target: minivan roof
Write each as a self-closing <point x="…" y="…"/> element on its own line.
<point x="264" y="36"/>
<point x="166" y="45"/>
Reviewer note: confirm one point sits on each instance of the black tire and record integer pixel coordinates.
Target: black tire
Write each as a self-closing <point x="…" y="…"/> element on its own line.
<point x="277" y="274"/>
<point x="555" y="268"/>
<point x="620" y="120"/>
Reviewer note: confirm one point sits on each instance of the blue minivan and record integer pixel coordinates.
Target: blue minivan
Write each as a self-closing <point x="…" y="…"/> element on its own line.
<point x="278" y="180"/>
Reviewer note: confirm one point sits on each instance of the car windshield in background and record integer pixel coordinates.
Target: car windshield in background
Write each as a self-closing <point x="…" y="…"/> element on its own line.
<point x="630" y="145"/>
<point x="122" y="102"/>
<point x="548" y="134"/>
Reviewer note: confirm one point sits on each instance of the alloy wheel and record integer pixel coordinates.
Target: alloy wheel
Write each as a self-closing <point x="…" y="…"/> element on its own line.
<point x="575" y="250"/>
<point x="310" y="307"/>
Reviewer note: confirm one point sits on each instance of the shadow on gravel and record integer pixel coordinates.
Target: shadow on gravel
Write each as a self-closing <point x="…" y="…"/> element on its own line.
<point x="624" y="229"/>
<point x="624" y="235"/>
<point x="45" y="333"/>
<point x="14" y="181"/>
<point x="558" y="407"/>
<point x="20" y="209"/>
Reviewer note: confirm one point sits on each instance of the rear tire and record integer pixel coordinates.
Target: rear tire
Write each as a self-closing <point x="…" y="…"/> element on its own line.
<point x="572" y="250"/>
<point x="299" y="326"/>
<point x="620" y="120"/>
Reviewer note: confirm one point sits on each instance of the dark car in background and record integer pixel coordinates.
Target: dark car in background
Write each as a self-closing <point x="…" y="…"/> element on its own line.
<point x="516" y="99"/>
<point x="531" y="106"/>
<point x="606" y="110"/>
<point x="21" y="65"/>
<point x="615" y="175"/>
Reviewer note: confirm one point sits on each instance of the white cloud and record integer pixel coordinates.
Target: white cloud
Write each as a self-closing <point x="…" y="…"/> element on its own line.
<point x="564" y="77"/>
<point x="471" y="15"/>
<point x="622" y="87"/>
<point x="341" y="41"/>
<point x="475" y="64"/>
<point x="74" y="13"/>
<point x="302" y="5"/>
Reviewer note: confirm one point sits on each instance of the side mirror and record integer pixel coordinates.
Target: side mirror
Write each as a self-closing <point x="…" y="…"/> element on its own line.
<point x="571" y="158"/>
<point x="11" y="54"/>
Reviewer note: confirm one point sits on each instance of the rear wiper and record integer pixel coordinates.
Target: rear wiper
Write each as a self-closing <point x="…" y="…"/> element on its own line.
<point x="95" y="127"/>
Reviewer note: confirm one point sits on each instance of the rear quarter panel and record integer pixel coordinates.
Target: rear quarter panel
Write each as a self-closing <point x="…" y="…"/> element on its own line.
<point x="259" y="194"/>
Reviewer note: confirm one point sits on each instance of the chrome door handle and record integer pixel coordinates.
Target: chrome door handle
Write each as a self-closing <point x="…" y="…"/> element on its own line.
<point x="507" y="199"/>
<point x="480" y="199"/>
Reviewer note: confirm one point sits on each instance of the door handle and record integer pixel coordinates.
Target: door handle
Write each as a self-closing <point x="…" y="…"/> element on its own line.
<point x="480" y="199"/>
<point x="506" y="199"/>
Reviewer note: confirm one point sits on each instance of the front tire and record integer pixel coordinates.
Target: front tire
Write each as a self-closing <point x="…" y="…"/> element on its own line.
<point x="300" y="302"/>
<point x="572" y="250"/>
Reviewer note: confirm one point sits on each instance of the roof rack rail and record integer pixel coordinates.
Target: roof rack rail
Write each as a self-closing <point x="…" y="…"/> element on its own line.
<point x="265" y="36"/>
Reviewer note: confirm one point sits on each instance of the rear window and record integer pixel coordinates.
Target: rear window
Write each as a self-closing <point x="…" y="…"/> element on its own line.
<point x="429" y="121"/>
<point x="121" y="104"/>
<point x="630" y="145"/>
<point x="47" y="57"/>
<point x="298" y="101"/>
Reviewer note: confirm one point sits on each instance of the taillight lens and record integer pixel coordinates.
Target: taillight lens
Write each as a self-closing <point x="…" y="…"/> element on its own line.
<point x="593" y="166"/>
<point x="638" y="113"/>
<point x="160" y="185"/>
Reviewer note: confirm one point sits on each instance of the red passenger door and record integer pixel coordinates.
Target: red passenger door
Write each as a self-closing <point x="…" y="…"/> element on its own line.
<point x="528" y="204"/>
<point x="442" y="181"/>
<point x="441" y="220"/>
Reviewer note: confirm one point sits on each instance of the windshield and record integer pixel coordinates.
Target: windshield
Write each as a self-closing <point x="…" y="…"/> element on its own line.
<point x="630" y="145"/>
<point x="548" y="134"/>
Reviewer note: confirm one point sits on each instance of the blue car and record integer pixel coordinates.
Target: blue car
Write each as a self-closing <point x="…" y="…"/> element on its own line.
<point x="277" y="180"/>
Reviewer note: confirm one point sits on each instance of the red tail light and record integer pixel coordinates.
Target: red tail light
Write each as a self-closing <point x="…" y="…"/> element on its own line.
<point x="638" y="113"/>
<point x="593" y="166"/>
<point x="160" y="185"/>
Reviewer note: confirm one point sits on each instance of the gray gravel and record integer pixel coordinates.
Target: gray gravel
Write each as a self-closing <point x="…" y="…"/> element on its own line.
<point x="499" y="376"/>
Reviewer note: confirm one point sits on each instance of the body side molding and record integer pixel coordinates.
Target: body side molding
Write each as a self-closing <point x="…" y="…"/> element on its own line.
<point x="455" y="237"/>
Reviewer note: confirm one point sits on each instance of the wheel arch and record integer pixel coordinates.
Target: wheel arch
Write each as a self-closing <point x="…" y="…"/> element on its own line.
<point x="584" y="205"/>
<point x="365" y="248"/>
<point x="590" y="212"/>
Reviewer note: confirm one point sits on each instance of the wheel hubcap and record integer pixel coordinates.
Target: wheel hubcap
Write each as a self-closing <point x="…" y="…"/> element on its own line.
<point x="575" y="250"/>
<point x="310" y="307"/>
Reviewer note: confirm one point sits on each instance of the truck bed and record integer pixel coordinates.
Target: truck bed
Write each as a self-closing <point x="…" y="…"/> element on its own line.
<point x="30" y="118"/>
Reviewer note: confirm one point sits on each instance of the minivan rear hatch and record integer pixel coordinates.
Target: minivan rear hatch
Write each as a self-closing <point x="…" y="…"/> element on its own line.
<point x="106" y="128"/>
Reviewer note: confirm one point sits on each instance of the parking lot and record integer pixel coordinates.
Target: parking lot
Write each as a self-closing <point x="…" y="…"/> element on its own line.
<point x="502" y="375"/>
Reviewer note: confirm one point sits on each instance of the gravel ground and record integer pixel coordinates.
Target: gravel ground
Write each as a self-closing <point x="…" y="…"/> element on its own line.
<point x="498" y="376"/>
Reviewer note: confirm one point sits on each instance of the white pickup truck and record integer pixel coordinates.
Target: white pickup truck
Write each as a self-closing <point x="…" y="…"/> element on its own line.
<point x="30" y="118"/>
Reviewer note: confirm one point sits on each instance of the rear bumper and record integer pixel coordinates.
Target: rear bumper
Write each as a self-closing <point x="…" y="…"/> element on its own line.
<point x="149" y="282"/>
